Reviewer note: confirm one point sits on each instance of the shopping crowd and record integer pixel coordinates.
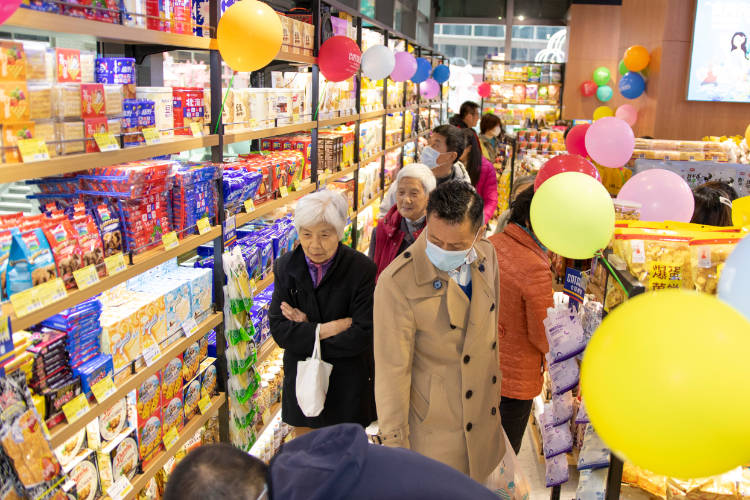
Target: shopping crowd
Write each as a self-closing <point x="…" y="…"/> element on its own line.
<point x="437" y="335"/>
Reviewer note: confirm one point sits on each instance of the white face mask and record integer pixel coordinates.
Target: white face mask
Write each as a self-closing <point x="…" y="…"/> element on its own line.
<point x="429" y="157"/>
<point x="448" y="260"/>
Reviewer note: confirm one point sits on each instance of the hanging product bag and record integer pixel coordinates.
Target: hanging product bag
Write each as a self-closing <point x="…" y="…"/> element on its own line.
<point x="312" y="381"/>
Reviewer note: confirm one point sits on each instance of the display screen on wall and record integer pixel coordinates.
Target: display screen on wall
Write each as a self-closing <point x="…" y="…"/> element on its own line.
<point x="720" y="58"/>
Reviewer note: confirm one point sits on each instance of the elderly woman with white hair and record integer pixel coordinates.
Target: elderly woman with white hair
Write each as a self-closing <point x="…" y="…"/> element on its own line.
<point x="403" y="223"/>
<point x="326" y="286"/>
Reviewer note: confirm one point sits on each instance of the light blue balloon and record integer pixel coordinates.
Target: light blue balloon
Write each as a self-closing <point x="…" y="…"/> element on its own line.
<point x="423" y="70"/>
<point x="734" y="282"/>
<point x="604" y="93"/>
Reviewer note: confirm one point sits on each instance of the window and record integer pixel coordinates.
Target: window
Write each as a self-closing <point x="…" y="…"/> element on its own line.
<point x="523" y="32"/>
<point x="519" y="54"/>
<point x="546" y="32"/>
<point x="457" y="29"/>
<point x="479" y="54"/>
<point x="452" y="51"/>
<point x="491" y="30"/>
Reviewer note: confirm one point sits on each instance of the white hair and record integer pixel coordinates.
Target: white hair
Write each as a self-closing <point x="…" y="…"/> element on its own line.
<point x="420" y="172"/>
<point x="322" y="206"/>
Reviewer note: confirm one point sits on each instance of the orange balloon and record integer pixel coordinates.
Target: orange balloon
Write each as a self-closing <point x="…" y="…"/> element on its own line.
<point x="249" y="35"/>
<point x="636" y="58"/>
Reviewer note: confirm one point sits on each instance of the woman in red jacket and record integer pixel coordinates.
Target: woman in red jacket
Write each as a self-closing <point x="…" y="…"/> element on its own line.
<point x="525" y="294"/>
<point x="405" y="220"/>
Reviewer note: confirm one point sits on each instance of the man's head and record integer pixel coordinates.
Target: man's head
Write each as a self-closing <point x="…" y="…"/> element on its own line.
<point x="455" y="214"/>
<point x="469" y="113"/>
<point x="449" y="142"/>
<point x="414" y="184"/>
<point x="218" y="472"/>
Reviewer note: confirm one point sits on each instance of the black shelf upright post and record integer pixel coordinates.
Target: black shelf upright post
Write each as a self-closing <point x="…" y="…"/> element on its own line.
<point x="385" y="122"/>
<point x="315" y="98"/>
<point x="358" y="107"/>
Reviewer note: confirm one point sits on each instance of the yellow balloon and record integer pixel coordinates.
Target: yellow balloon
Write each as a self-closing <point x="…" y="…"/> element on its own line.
<point x="572" y="214"/>
<point x="747" y="135"/>
<point x="741" y="211"/>
<point x="249" y="35"/>
<point x="603" y="111"/>
<point x="664" y="379"/>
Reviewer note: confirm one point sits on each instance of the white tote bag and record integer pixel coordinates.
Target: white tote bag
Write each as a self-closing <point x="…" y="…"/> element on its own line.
<point x="312" y="381"/>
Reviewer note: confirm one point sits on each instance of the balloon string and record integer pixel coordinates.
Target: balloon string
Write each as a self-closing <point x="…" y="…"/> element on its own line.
<point x="322" y="97"/>
<point x="612" y="272"/>
<point x="231" y="81"/>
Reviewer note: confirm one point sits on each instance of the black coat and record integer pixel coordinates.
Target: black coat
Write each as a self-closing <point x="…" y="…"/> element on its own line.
<point x="346" y="291"/>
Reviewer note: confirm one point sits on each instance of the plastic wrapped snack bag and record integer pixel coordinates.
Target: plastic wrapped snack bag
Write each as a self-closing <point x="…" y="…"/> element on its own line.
<point x="557" y="439"/>
<point x="592" y="484"/>
<point x="564" y="334"/>
<point x="582" y="417"/>
<point x="556" y="470"/>
<point x="594" y="453"/>
<point x="562" y="408"/>
<point x="564" y="375"/>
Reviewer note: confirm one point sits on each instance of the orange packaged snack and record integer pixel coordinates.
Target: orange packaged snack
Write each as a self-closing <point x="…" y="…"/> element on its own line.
<point x="707" y="257"/>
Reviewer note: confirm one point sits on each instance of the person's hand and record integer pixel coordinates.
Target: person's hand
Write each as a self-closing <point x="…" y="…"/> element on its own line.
<point x="293" y="314"/>
<point x="333" y="328"/>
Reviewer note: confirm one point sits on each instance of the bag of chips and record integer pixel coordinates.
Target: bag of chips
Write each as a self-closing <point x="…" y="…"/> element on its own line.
<point x="65" y="249"/>
<point x="556" y="439"/>
<point x="30" y="261"/>
<point x="87" y="234"/>
<point x="657" y="258"/>
<point x="562" y="407"/>
<point x="563" y="375"/>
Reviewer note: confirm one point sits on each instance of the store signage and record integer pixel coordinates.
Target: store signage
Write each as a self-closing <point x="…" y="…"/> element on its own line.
<point x="196" y="129"/>
<point x="189" y="327"/>
<point x="249" y="206"/>
<point x="663" y="275"/>
<point x="575" y="286"/>
<point x="37" y="297"/>
<point x="120" y="489"/>
<point x="151" y="354"/>
<point x="6" y="336"/>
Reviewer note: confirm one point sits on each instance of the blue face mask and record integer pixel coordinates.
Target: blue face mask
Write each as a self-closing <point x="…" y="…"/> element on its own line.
<point x="429" y="156"/>
<point x="447" y="260"/>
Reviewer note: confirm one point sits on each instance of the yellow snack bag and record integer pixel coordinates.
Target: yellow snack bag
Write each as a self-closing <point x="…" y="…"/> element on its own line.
<point x="707" y="257"/>
<point x="658" y="258"/>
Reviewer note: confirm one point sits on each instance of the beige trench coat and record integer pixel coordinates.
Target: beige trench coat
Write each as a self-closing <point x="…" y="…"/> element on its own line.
<point x="437" y="379"/>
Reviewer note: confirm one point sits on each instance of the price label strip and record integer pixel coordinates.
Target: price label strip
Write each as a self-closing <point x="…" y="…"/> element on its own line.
<point x="121" y="489"/>
<point x="115" y="263"/>
<point x="249" y="206"/>
<point x="196" y="129"/>
<point x="85" y="277"/>
<point x="170" y="437"/>
<point x="203" y="225"/>
<point x="30" y="300"/>
<point x="106" y="141"/>
<point x="75" y="408"/>
<point x="151" y="135"/>
<point x="284" y="191"/>
<point x="151" y="354"/>
<point x="295" y="185"/>
<point x="204" y="404"/>
<point x="189" y="327"/>
<point x="103" y="389"/>
<point x="33" y="150"/>
<point x="169" y="240"/>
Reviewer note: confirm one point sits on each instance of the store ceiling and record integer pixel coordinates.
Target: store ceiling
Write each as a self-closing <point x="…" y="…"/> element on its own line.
<point x="524" y="11"/>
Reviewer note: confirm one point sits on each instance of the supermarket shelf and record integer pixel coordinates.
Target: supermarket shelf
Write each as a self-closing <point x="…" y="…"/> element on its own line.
<point x="268" y="207"/>
<point x="263" y="284"/>
<point x="371" y="114"/>
<point x="273" y="412"/>
<point x="139" y="482"/>
<point x="498" y="82"/>
<point x="12" y="172"/>
<point x="520" y="103"/>
<point x="141" y="263"/>
<point x="338" y="120"/>
<point x="268" y="132"/>
<point x="376" y="200"/>
<point x="266" y="348"/>
<point x="372" y="158"/>
<point x="46" y="21"/>
<point x="396" y="110"/>
<point x="295" y="58"/>
<point x="396" y="146"/>
<point x="63" y="432"/>
<point x="338" y="175"/>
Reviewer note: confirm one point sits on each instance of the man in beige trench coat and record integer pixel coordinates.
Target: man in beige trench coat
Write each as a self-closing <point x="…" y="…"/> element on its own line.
<point x="437" y="379"/>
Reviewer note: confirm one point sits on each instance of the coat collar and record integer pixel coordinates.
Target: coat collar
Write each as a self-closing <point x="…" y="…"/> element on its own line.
<point x="523" y="238"/>
<point x="298" y="265"/>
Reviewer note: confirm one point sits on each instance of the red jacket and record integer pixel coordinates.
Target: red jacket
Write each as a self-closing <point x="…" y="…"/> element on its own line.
<point x="525" y="294"/>
<point x="389" y="239"/>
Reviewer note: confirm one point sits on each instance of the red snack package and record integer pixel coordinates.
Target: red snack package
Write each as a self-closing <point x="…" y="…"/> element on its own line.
<point x="92" y="249"/>
<point x="65" y="249"/>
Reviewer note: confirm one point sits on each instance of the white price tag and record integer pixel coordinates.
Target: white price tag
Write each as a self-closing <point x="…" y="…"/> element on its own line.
<point x="120" y="489"/>
<point x="189" y="326"/>
<point x="151" y="354"/>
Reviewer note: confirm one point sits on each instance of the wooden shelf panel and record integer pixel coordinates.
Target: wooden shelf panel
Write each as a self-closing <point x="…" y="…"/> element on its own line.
<point x="63" y="432"/>
<point x="139" y="482"/>
<point x="295" y="58"/>
<point x="376" y="200"/>
<point x="266" y="348"/>
<point x="396" y="110"/>
<point x="141" y="263"/>
<point x="372" y="158"/>
<point x="11" y="172"/>
<point x="338" y="175"/>
<point x="263" y="284"/>
<point x="46" y="21"/>
<point x="268" y="132"/>
<point x="498" y="82"/>
<point x="371" y="115"/>
<point x="338" y="120"/>
<point x="268" y="207"/>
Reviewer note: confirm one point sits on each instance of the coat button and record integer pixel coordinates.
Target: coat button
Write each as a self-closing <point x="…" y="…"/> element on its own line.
<point x="468" y="394"/>
<point x="453" y="327"/>
<point x="494" y="379"/>
<point x="492" y="307"/>
<point x="481" y="268"/>
<point x="469" y="426"/>
<point x="407" y="254"/>
<point x="437" y="284"/>
<point x="494" y="345"/>
<point x="466" y="359"/>
<point x="494" y="411"/>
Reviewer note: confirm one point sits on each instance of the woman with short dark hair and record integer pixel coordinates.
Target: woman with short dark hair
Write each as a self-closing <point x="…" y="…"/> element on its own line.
<point x="713" y="204"/>
<point x="491" y="136"/>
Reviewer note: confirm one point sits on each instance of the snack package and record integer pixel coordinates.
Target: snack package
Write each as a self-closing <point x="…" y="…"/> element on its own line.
<point x="658" y="258"/>
<point x="707" y="257"/>
<point x="556" y="470"/>
<point x="562" y="408"/>
<point x="109" y="227"/>
<point x="30" y="263"/>
<point x="594" y="453"/>
<point x="65" y="249"/>
<point x="592" y="484"/>
<point x="556" y="439"/>
<point x="564" y="333"/>
<point x="92" y="250"/>
<point x="563" y="375"/>
<point x="581" y="416"/>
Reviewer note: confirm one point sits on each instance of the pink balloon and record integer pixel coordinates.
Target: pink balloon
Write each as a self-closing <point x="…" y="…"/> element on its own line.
<point x="627" y="113"/>
<point x="406" y="66"/>
<point x="7" y="8"/>
<point x="663" y="195"/>
<point x="575" y="142"/>
<point x="610" y="142"/>
<point x="429" y="89"/>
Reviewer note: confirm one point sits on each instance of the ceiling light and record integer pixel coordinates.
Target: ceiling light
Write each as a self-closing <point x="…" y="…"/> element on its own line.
<point x="521" y="18"/>
<point x="500" y="18"/>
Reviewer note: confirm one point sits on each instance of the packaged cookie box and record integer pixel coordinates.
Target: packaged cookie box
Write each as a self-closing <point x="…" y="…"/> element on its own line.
<point x="118" y="337"/>
<point x="190" y="362"/>
<point x="177" y="302"/>
<point x="14" y="61"/>
<point x="119" y="458"/>
<point x="110" y="424"/>
<point x="148" y="405"/>
<point x="171" y="394"/>
<point x="14" y="102"/>
<point x="201" y="286"/>
<point x="207" y="375"/>
<point x="84" y="472"/>
<point x="151" y="317"/>
<point x="191" y="394"/>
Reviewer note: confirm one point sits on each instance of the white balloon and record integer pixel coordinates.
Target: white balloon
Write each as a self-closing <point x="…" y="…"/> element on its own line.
<point x="378" y="62"/>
